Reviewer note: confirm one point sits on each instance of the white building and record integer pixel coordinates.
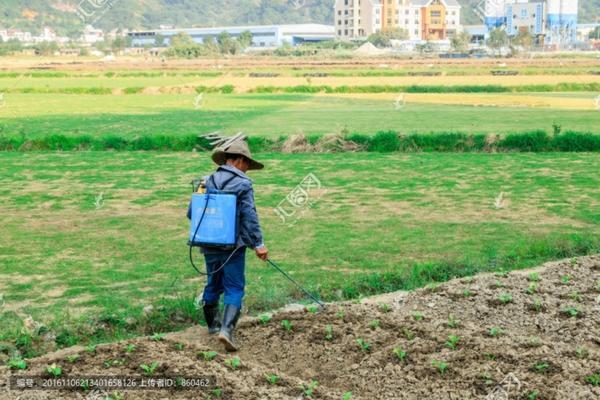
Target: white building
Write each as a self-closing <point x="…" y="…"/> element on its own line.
<point x="421" y="19"/>
<point x="92" y="35"/>
<point x="262" y="35"/>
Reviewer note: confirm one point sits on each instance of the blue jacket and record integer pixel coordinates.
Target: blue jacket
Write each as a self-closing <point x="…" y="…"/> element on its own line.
<point x="249" y="232"/>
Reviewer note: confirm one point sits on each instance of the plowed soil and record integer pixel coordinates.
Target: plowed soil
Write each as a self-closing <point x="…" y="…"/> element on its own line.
<point x="545" y="341"/>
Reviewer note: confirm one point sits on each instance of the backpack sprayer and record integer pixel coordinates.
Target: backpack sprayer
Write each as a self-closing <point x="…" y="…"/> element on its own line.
<point x="214" y="224"/>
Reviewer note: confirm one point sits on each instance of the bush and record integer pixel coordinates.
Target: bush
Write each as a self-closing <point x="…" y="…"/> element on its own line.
<point x="535" y="141"/>
<point x="385" y="142"/>
<point x="576" y="141"/>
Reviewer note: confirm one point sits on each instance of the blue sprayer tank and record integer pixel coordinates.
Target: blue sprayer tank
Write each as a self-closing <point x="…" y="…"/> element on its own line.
<point x="218" y="226"/>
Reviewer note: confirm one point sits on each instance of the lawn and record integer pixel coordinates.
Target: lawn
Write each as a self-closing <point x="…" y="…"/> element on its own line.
<point x="37" y="115"/>
<point x="92" y="234"/>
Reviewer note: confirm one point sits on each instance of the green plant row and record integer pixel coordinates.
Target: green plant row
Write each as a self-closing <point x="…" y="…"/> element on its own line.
<point x="535" y="141"/>
<point x="559" y="87"/>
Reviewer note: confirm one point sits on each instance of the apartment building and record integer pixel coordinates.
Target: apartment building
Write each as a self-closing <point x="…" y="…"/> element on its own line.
<point x="422" y="19"/>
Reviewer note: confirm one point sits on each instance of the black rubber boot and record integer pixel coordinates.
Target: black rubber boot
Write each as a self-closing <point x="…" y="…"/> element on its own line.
<point x="231" y="314"/>
<point x="211" y="316"/>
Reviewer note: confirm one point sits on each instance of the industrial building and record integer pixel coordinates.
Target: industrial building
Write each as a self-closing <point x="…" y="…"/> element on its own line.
<point x="262" y="35"/>
<point x="421" y="19"/>
<point x="554" y="21"/>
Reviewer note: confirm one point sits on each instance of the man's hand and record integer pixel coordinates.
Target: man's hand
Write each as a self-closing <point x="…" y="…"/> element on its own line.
<point x="262" y="252"/>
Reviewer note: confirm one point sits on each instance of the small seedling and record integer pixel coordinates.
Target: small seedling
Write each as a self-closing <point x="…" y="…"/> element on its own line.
<point x="490" y="356"/>
<point x="581" y="352"/>
<point x="117" y="396"/>
<point x="72" y="358"/>
<point x="272" y="379"/>
<point x="374" y="324"/>
<point x="130" y="348"/>
<point x="364" y="346"/>
<point x="179" y="346"/>
<point x="233" y="363"/>
<point x="537" y="305"/>
<point x="347" y="396"/>
<point x="575" y="296"/>
<point x="417" y="316"/>
<point x="534" y="277"/>
<point x="17" y="363"/>
<point x="218" y="392"/>
<point x="452" y="321"/>
<point x="486" y="377"/>
<point x="573" y="262"/>
<point x="541" y="367"/>
<point x="385" y="308"/>
<point x="287" y="325"/>
<point x="468" y="279"/>
<point x="440" y="366"/>
<point x="408" y="334"/>
<point x="340" y="314"/>
<point x="157" y="337"/>
<point x="565" y="279"/>
<point x="452" y="342"/>
<point x="534" y="341"/>
<point x="113" y="363"/>
<point x="208" y="355"/>
<point x="54" y="370"/>
<point x="400" y="354"/>
<point x="598" y="285"/>
<point x="264" y="318"/>
<point x="532" y="288"/>
<point x="149" y="368"/>
<point x="502" y="274"/>
<point x="90" y="348"/>
<point x="468" y="293"/>
<point x="533" y="395"/>
<point x="572" y="312"/>
<point x="495" y="331"/>
<point x="309" y="389"/>
<point x="594" y="379"/>
<point x="312" y="309"/>
<point x="498" y="284"/>
<point x="329" y="333"/>
<point x="505" y="298"/>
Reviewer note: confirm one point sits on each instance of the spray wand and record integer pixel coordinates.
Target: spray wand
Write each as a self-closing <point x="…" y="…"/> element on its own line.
<point x="294" y="282"/>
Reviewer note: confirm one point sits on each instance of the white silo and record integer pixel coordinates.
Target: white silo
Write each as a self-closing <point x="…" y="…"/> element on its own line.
<point x="562" y="21"/>
<point x="494" y="13"/>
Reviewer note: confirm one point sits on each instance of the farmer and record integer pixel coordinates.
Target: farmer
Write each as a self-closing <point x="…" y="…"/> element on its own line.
<point x="234" y="161"/>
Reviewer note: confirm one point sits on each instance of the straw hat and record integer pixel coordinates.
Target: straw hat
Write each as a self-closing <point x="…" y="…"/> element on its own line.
<point x="236" y="147"/>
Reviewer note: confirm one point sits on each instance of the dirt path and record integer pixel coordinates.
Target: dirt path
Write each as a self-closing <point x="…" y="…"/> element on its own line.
<point x="515" y="335"/>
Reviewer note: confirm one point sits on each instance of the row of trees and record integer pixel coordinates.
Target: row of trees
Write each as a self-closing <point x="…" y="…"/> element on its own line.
<point x="182" y="45"/>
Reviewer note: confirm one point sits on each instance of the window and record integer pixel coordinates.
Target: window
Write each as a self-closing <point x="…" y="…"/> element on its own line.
<point x="436" y="13"/>
<point x="339" y="12"/>
<point x="405" y="22"/>
<point x="346" y="32"/>
<point x="339" y="21"/>
<point x="523" y="13"/>
<point x="340" y="32"/>
<point x="406" y="11"/>
<point x="416" y="31"/>
<point x="416" y="22"/>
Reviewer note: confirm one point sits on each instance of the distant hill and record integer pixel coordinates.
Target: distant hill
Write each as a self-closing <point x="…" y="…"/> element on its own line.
<point x="141" y="14"/>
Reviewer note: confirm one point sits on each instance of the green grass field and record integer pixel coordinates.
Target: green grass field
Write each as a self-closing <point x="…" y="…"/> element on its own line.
<point x="37" y="115"/>
<point x="90" y="238"/>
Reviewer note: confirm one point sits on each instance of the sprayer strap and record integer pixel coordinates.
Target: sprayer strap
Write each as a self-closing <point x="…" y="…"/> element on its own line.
<point x="224" y="184"/>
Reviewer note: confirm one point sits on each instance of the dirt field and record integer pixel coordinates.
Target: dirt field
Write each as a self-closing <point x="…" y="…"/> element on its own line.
<point x="522" y="335"/>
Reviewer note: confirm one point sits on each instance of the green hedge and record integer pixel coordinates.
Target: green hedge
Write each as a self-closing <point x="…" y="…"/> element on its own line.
<point x="385" y="141"/>
<point x="559" y="87"/>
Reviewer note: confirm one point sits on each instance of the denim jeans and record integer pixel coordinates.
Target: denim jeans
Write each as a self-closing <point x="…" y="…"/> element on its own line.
<point x="230" y="280"/>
